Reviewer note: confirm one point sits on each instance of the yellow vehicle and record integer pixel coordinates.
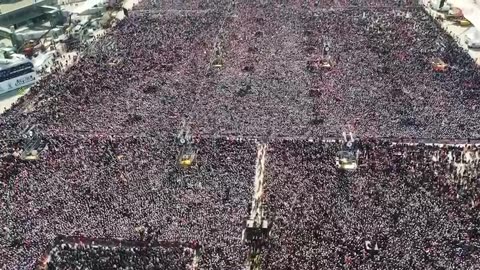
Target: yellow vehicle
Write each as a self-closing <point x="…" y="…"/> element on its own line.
<point x="29" y="155"/>
<point x="326" y="63"/>
<point x="218" y="62"/>
<point x="464" y="22"/>
<point x="438" y="65"/>
<point x="187" y="158"/>
<point x="346" y="160"/>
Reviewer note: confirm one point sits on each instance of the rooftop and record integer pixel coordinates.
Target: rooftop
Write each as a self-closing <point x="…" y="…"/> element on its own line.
<point x="21" y="11"/>
<point x="7" y="8"/>
<point x="8" y="63"/>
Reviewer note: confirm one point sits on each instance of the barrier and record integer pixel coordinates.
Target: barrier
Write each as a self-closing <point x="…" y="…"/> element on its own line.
<point x="112" y="242"/>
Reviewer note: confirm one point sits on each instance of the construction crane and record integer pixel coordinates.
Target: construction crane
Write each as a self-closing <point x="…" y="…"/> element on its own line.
<point x="29" y="48"/>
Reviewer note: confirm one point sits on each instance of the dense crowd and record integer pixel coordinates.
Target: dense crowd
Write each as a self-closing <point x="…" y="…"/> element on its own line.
<point x="108" y="187"/>
<point x="81" y="256"/>
<point x="105" y="258"/>
<point x="110" y="164"/>
<point x="155" y="67"/>
<point x="381" y="83"/>
<point x="313" y="4"/>
<point x="406" y="207"/>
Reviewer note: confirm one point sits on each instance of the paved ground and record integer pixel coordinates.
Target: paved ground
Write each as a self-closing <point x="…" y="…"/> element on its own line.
<point x="7" y="99"/>
<point x="460" y="33"/>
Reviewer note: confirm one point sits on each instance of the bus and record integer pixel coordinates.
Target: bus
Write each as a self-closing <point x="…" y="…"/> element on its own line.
<point x="15" y="74"/>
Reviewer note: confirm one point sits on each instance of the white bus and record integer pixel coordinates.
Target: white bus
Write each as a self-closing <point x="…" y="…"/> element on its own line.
<point x="16" y="74"/>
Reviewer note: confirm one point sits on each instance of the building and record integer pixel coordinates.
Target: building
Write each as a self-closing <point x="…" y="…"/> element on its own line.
<point x="29" y="12"/>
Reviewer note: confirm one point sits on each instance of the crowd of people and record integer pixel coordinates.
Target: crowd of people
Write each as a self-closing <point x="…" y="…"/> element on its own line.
<point x="221" y="4"/>
<point x="108" y="258"/>
<point x="405" y="207"/>
<point x="156" y="67"/>
<point x="92" y="255"/>
<point x="381" y="82"/>
<point x="109" y="164"/>
<point x="105" y="188"/>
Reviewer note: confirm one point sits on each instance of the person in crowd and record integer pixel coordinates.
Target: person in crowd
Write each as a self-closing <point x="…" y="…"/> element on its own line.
<point x="104" y="123"/>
